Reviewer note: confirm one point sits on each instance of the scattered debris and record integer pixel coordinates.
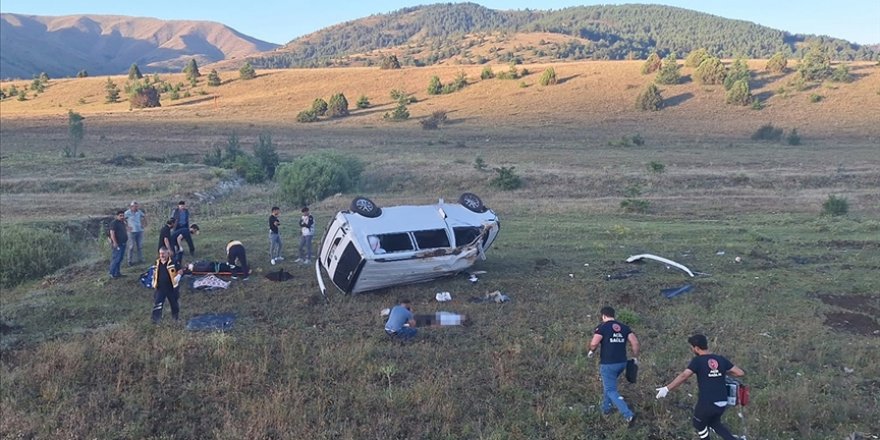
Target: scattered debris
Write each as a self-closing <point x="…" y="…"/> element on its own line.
<point x="443" y="296"/>
<point x="738" y="259"/>
<point x="719" y="253"/>
<point x="496" y="297"/>
<point x="385" y="312"/>
<point x="473" y="279"/>
<point x="660" y="259"/>
<point x="211" y="322"/>
<point x="848" y="370"/>
<point x="675" y="291"/>
<point x="210" y="282"/>
<point x="279" y="275"/>
<point x="623" y="275"/>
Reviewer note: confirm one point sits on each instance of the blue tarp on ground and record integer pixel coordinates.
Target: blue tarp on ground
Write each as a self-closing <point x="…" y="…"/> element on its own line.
<point x="211" y="322"/>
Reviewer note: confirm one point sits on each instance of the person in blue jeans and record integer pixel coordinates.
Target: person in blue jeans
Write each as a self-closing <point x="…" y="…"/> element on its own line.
<point x="612" y="336"/>
<point x="401" y="322"/>
<point x="118" y="235"/>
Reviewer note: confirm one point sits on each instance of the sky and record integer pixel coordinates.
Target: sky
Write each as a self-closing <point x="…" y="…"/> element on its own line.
<point x="279" y="21"/>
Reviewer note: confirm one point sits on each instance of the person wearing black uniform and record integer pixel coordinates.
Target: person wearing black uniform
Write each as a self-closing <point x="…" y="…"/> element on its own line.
<point x="274" y="236"/>
<point x="710" y="370"/>
<point x="177" y="239"/>
<point x="165" y="281"/>
<point x="613" y="335"/>
<point x="165" y="235"/>
<point x="237" y="258"/>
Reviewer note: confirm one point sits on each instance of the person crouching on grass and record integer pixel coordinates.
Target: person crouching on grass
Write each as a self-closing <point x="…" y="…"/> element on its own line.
<point x="166" y="278"/>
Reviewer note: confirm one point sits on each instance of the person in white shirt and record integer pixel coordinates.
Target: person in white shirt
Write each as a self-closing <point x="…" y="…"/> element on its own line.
<point x="307" y="226"/>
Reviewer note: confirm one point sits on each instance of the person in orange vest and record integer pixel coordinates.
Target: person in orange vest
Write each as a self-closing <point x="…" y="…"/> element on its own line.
<point x="236" y="257"/>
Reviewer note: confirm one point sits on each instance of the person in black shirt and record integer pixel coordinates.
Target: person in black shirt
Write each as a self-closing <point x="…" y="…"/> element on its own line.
<point x="613" y="336"/>
<point x="177" y="239"/>
<point x="274" y="236"/>
<point x="165" y="281"/>
<point x="118" y="235"/>
<point x="236" y="256"/>
<point x="165" y="234"/>
<point x="710" y="370"/>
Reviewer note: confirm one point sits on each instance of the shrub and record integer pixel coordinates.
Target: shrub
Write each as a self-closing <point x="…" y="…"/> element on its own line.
<point x="710" y="71"/>
<point x="757" y="104"/>
<point x="248" y="168"/>
<point x="548" y="77"/>
<point x="214" y="78"/>
<point x="777" y="63"/>
<point x="337" y="107"/>
<point x="652" y="64"/>
<point x="29" y="253"/>
<point x="247" y="71"/>
<point x="266" y="156"/>
<point x="487" y="73"/>
<point x="144" y="96"/>
<point x="434" y="121"/>
<point x="640" y="206"/>
<point x="435" y="86"/>
<point x="307" y="116"/>
<point x="75" y="132"/>
<point x="793" y="137"/>
<point x="390" y="62"/>
<point x="480" y="164"/>
<point x="400" y="113"/>
<point x="739" y="93"/>
<point x="82" y="74"/>
<point x="835" y="206"/>
<point x="402" y="97"/>
<point x="192" y="70"/>
<point x="112" y="92"/>
<point x="739" y="71"/>
<point x="669" y="72"/>
<point x="134" y="73"/>
<point x="696" y="57"/>
<point x="315" y="176"/>
<point x="363" y="102"/>
<point x="815" y="97"/>
<point x="319" y="106"/>
<point x="815" y="65"/>
<point x="841" y="74"/>
<point x="627" y="141"/>
<point x="650" y="99"/>
<point x="767" y="132"/>
<point x="506" y="179"/>
<point x="656" y="167"/>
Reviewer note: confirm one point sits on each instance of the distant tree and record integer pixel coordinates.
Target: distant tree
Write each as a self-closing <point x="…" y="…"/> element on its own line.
<point x="82" y="74"/>
<point x="134" y="73"/>
<point x="650" y="99"/>
<point x="37" y="85"/>
<point x="75" y="132"/>
<point x="307" y="116"/>
<point x="739" y="93"/>
<point x="22" y="96"/>
<point x="738" y="71"/>
<point x="669" y="73"/>
<point x="13" y="91"/>
<point x="815" y="64"/>
<point x="363" y="102"/>
<point x="435" y="87"/>
<point x="143" y="96"/>
<point x="112" y="90"/>
<point x="710" y="71"/>
<point x="265" y="154"/>
<point x="487" y="73"/>
<point x="841" y="74"/>
<point x="777" y="63"/>
<point x="337" y="107"/>
<point x="548" y="77"/>
<point x="400" y="113"/>
<point x="652" y="64"/>
<point x="390" y="62"/>
<point x="696" y="57"/>
<point x="214" y="78"/>
<point x="247" y="71"/>
<point x="319" y="106"/>
<point x="192" y="69"/>
<point x="44" y="78"/>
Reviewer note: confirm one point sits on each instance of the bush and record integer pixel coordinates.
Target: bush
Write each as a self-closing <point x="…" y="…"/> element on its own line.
<point x="112" y="92"/>
<point x="313" y="177"/>
<point x="390" y="62"/>
<point x="487" y="73"/>
<point x="841" y="74"/>
<point x="247" y="71"/>
<point x="711" y="71"/>
<point x="650" y="99"/>
<point x="814" y="97"/>
<point x="363" y="102"/>
<point x="82" y="74"/>
<point x="548" y="77"/>
<point x="696" y="57"/>
<point x="248" y="168"/>
<point x="793" y="137"/>
<point x="266" y="156"/>
<point x="627" y="141"/>
<point x="835" y="206"/>
<point x="640" y="206"/>
<point x="739" y="71"/>
<point x="337" y="107"/>
<point x="402" y="97"/>
<point x="319" y="106"/>
<point x="400" y="113"/>
<point x="144" y="96"/>
<point x="480" y="164"/>
<point x="815" y="65"/>
<point x="777" y="63"/>
<point x="30" y="253"/>
<point x="434" y="121"/>
<point x="435" y="87"/>
<point x="669" y="72"/>
<point x="739" y="93"/>
<point x="307" y="116"/>
<point x="656" y="167"/>
<point x="134" y="73"/>
<point x="214" y="78"/>
<point x="652" y="64"/>
<point x="767" y="132"/>
<point x="506" y="179"/>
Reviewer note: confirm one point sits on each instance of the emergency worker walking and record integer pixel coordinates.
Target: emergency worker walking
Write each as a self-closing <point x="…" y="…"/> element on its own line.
<point x="613" y="335"/>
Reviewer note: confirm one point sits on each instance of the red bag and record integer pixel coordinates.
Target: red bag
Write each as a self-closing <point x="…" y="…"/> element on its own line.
<point x="742" y="395"/>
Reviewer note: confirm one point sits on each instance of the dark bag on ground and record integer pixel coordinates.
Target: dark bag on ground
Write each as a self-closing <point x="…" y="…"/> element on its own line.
<point x="632" y="371"/>
<point x="210" y="267"/>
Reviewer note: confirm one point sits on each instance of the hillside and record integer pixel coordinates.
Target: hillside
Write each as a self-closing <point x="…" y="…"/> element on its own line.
<point x="435" y="33"/>
<point x="106" y="45"/>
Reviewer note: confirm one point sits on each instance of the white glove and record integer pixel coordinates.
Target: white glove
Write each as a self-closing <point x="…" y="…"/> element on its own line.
<point x="590" y="354"/>
<point x="636" y="361"/>
<point x="662" y="392"/>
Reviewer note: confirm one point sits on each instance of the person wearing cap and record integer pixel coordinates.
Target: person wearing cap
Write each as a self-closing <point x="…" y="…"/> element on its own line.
<point x="118" y="235"/>
<point x="136" y="221"/>
<point x="710" y="370"/>
<point x="307" y="227"/>
<point x="236" y="256"/>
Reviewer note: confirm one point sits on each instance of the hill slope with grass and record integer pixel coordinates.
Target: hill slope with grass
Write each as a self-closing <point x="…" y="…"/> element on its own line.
<point x="104" y="44"/>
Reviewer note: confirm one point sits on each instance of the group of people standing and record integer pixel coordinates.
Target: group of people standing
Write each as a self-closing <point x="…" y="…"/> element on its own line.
<point x="126" y="236"/>
<point x="711" y="370"/>
<point x="307" y="232"/>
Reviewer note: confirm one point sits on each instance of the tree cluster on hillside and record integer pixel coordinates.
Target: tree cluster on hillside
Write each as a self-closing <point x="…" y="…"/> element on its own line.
<point x="254" y="169"/>
<point x="614" y="32"/>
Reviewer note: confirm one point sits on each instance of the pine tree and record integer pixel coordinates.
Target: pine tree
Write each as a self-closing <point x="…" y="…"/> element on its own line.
<point x="82" y="74"/>
<point x="739" y="71"/>
<point x="192" y="70"/>
<point x="112" y="92"/>
<point x="739" y="93"/>
<point x="669" y="73"/>
<point x="816" y="64"/>
<point x="652" y="64"/>
<point x="696" y="57"/>
<point x="134" y="73"/>
<point x="75" y="132"/>
<point x="650" y="99"/>
<point x="710" y="71"/>
<point x="247" y="71"/>
<point x="777" y="63"/>
<point x="337" y="106"/>
<point x="214" y="78"/>
<point x="434" y="86"/>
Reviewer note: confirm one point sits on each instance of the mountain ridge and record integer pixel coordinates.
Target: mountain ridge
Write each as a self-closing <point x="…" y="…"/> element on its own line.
<point x="109" y="44"/>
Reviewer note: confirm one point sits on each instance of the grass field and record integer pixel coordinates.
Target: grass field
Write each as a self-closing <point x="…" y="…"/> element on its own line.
<point x="799" y="313"/>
